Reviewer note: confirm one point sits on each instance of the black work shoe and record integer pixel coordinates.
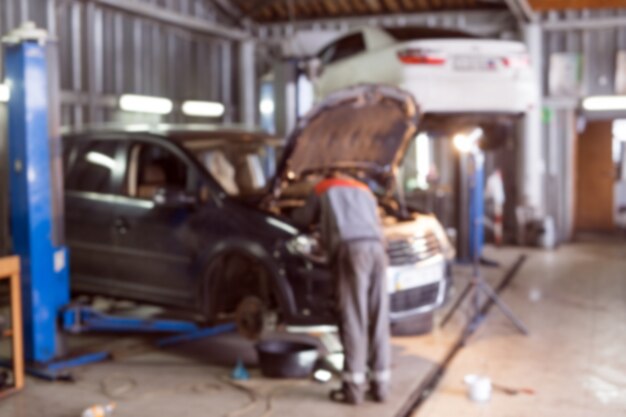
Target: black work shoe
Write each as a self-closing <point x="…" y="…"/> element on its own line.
<point x="376" y="394"/>
<point x="343" y="396"/>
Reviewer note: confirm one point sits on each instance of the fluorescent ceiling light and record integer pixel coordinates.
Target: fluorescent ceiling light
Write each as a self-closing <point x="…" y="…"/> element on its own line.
<point x="267" y="106"/>
<point x="600" y="103"/>
<point x="203" y="108"/>
<point x="145" y="104"/>
<point x="5" y="93"/>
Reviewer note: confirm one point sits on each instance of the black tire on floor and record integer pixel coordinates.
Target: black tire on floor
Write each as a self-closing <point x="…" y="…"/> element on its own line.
<point x="415" y="325"/>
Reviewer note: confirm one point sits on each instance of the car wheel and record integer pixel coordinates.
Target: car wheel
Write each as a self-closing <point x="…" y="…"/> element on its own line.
<point x="250" y="317"/>
<point x="238" y="288"/>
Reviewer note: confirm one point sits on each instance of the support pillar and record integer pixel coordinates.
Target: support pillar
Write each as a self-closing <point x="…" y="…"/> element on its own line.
<point x="285" y="108"/>
<point x="45" y="282"/>
<point x="532" y="164"/>
<point x="247" y="84"/>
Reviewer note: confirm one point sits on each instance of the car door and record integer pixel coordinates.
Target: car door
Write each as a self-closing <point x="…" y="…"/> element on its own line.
<point x="94" y="169"/>
<point x="154" y="243"/>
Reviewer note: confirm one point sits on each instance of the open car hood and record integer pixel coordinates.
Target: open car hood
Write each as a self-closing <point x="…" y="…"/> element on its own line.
<point x="366" y="127"/>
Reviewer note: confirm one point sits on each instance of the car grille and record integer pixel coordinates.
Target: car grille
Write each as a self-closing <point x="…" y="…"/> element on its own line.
<point x="412" y="249"/>
<point x="414" y="298"/>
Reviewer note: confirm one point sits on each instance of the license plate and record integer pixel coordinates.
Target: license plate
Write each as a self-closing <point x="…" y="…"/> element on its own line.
<point x="404" y="278"/>
<point x="474" y="63"/>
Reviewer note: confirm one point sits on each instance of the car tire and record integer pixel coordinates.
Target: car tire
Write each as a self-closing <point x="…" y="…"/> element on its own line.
<point x="250" y="317"/>
<point x="251" y="310"/>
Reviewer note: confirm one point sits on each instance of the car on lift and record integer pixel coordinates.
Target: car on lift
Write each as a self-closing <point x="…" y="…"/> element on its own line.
<point x="447" y="71"/>
<point x="191" y="218"/>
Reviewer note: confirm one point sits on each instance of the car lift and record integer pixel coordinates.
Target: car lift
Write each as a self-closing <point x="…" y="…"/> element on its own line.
<point x="34" y="187"/>
<point x="472" y="165"/>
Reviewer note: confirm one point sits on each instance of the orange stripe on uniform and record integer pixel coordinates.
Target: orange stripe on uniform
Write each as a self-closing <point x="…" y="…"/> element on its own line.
<point x="329" y="183"/>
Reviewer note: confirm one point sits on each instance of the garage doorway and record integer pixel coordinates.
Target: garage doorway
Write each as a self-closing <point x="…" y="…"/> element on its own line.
<point x="595" y="178"/>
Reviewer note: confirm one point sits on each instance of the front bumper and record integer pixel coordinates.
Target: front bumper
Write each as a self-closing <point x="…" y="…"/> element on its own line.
<point x="429" y="297"/>
<point x="423" y="292"/>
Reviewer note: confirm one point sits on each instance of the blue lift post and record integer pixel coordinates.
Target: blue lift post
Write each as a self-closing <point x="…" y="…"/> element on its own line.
<point x="477" y="204"/>
<point x="470" y="205"/>
<point x="45" y="282"/>
<point x="45" y="275"/>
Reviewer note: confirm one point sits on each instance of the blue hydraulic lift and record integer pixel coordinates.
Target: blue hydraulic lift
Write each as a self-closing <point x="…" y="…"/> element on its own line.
<point x="45" y="274"/>
<point x="470" y="204"/>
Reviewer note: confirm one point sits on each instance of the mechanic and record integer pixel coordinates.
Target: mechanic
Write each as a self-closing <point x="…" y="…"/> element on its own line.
<point x="495" y="194"/>
<point x="346" y="211"/>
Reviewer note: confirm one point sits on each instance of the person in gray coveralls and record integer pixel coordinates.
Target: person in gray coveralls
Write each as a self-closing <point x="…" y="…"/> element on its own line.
<point x="346" y="211"/>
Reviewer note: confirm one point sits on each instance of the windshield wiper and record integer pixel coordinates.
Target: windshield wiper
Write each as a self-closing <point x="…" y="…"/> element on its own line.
<point x="369" y="166"/>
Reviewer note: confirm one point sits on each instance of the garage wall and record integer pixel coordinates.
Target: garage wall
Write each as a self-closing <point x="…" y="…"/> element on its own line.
<point x="596" y="37"/>
<point x="593" y="38"/>
<point x="105" y="51"/>
<point x="179" y="49"/>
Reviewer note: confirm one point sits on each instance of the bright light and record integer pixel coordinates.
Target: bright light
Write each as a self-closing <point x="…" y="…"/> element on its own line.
<point x="139" y="127"/>
<point x="423" y="162"/>
<point x="619" y="129"/>
<point x="5" y="93"/>
<point x="267" y="106"/>
<point x="102" y="160"/>
<point x="466" y="142"/>
<point x="600" y="103"/>
<point x="203" y="108"/>
<point x="145" y="104"/>
<point x="322" y="375"/>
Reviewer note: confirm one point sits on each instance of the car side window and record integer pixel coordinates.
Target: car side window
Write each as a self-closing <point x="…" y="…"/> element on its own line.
<point x="154" y="167"/>
<point x="326" y="55"/>
<point x="343" y="48"/>
<point x="95" y="168"/>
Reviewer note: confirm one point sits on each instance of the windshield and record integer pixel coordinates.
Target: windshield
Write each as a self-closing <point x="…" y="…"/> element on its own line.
<point x="240" y="168"/>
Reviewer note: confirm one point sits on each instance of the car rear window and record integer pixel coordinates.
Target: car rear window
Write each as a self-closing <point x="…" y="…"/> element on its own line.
<point x="415" y="33"/>
<point x="343" y="48"/>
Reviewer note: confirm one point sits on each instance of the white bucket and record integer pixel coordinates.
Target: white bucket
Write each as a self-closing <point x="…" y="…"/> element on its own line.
<point x="478" y="388"/>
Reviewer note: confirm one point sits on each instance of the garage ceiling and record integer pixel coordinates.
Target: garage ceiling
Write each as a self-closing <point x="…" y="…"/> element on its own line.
<point x="545" y="5"/>
<point x="268" y="11"/>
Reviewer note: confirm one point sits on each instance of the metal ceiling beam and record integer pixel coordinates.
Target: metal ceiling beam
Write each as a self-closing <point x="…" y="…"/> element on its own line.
<point x="231" y="12"/>
<point x="584" y="23"/>
<point x="170" y="17"/>
<point x="478" y="22"/>
<point x="546" y="5"/>
<point x="260" y="5"/>
<point x="522" y="10"/>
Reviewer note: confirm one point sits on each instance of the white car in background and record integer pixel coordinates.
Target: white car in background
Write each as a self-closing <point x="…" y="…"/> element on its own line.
<point x="446" y="71"/>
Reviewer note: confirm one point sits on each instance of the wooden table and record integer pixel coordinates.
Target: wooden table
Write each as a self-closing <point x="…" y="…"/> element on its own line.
<point x="10" y="270"/>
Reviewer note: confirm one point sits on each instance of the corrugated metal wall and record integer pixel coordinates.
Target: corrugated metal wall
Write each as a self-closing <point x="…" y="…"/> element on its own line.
<point x="595" y="37"/>
<point x="105" y="52"/>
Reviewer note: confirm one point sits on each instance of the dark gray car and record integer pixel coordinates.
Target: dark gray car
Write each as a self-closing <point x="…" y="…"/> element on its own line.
<point x="189" y="218"/>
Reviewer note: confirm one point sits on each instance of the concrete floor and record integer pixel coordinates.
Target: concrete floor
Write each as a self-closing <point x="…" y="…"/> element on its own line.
<point x="574" y="302"/>
<point x="571" y="299"/>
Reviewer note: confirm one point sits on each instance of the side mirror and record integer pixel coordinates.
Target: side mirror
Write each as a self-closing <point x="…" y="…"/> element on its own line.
<point x="174" y="197"/>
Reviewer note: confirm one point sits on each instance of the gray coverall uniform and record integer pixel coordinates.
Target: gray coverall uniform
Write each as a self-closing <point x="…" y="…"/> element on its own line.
<point x="352" y="235"/>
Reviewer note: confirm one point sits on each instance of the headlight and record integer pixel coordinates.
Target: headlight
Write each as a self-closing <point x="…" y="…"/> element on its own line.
<point x="443" y="238"/>
<point x="303" y="245"/>
<point x="307" y="246"/>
